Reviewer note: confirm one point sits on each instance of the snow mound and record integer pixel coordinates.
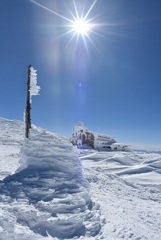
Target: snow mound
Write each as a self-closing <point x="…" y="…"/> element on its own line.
<point x="48" y="195"/>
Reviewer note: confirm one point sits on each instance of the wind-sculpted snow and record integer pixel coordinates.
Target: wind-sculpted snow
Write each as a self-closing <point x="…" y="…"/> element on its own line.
<point x="48" y="197"/>
<point x="48" y="194"/>
<point x="127" y="185"/>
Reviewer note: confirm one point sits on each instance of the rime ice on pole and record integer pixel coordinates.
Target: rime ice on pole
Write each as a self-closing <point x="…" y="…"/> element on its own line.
<point x="34" y="88"/>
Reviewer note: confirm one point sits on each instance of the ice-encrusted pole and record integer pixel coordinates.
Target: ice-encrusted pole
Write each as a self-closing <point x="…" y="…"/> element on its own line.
<point x="28" y="107"/>
<point x="32" y="89"/>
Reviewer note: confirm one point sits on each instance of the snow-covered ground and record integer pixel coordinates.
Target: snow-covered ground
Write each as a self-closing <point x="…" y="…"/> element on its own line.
<point x="50" y="190"/>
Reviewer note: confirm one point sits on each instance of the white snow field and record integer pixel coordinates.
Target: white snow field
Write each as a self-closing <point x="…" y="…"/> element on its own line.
<point x="50" y="190"/>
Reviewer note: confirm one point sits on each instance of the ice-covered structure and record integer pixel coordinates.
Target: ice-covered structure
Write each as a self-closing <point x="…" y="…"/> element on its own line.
<point x="83" y="138"/>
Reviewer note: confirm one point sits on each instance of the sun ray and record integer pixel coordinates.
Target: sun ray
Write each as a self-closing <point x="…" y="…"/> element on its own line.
<point x="76" y="11"/>
<point x="72" y="14"/>
<point x="66" y="33"/>
<point x="49" y="10"/>
<point x="70" y="40"/>
<point x="90" y="9"/>
<point x="92" y="42"/>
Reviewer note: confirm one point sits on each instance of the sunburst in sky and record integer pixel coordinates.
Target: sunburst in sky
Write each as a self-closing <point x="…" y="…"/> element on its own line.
<point x="79" y="25"/>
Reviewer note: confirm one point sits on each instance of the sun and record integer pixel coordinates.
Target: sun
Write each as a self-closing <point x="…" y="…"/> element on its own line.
<point x="81" y="27"/>
<point x="79" y="24"/>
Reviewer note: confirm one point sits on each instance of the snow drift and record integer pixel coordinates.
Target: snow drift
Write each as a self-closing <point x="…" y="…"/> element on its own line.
<point x="51" y="185"/>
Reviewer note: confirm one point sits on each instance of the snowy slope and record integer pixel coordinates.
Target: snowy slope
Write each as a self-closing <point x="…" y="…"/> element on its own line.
<point x="56" y="192"/>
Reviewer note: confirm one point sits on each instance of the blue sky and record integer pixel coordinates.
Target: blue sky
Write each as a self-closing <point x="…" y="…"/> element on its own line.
<point x="113" y="85"/>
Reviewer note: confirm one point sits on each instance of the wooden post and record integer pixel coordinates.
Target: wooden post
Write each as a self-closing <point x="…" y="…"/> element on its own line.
<point x="28" y="105"/>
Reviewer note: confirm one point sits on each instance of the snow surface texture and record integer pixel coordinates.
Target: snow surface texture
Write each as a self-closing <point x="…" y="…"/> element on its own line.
<point x="48" y="196"/>
<point x="127" y="185"/>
